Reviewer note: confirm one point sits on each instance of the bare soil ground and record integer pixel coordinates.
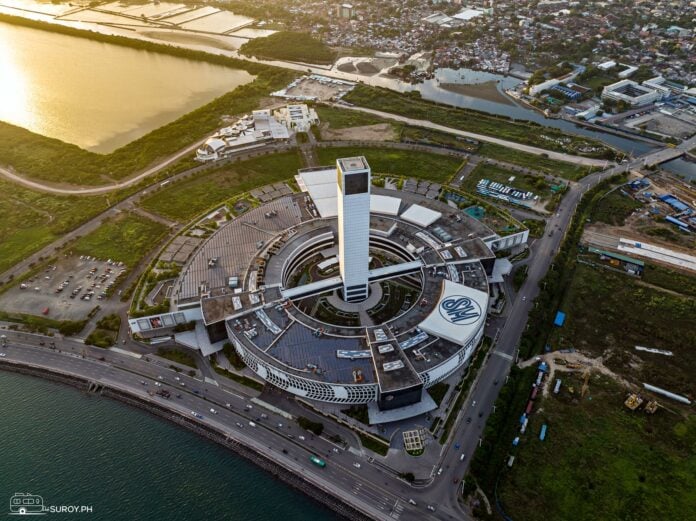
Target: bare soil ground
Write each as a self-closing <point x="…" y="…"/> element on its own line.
<point x="379" y="132"/>
<point x="309" y="87"/>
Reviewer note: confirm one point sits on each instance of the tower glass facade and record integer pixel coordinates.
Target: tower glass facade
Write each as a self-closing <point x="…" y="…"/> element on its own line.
<point x="353" y="179"/>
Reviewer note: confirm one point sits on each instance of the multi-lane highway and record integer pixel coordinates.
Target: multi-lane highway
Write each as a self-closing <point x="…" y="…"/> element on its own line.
<point x="349" y="474"/>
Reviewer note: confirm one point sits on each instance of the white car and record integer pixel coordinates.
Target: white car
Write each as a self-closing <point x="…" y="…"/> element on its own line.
<point x="158" y="384"/>
<point x="356" y="465"/>
<point x="2" y="355"/>
<point x="302" y="438"/>
<point x="461" y="458"/>
<point x="412" y="502"/>
<point x="213" y="411"/>
<point x="439" y="471"/>
<point x="431" y="508"/>
<point x="252" y="424"/>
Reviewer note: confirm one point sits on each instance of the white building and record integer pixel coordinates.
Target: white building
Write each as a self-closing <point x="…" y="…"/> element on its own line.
<point x="297" y="117"/>
<point x="251" y="131"/>
<point x="631" y="93"/>
<point x="353" y="187"/>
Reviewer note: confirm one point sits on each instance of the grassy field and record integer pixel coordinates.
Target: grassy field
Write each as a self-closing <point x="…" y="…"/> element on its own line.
<point x="434" y="137"/>
<point x="29" y="220"/>
<point x="177" y="355"/>
<point x="562" y="169"/>
<point x="609" y="314"/>
<point x="291" y="46"/>
<point x="472" y="121"/>
<point x="615" y="208"/>
<point x="407" y="163"/>
<point x="602" y="462"/>
<point x="342" y="118"/>
<point x="524" y="182"/>
<point x="670" y="279"/>
<point x="127" y="238"/>
<point x="184" y="200"/>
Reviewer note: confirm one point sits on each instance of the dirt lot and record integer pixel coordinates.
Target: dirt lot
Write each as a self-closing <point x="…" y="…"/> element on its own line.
<point x="379" y="132"/>
<point x="323" y="91"/>
<point x="34" y="295"/>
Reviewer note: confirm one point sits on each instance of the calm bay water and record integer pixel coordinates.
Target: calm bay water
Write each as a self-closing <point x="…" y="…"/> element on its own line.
<point x="77" y="449"/>
<point x="95" y="95"/>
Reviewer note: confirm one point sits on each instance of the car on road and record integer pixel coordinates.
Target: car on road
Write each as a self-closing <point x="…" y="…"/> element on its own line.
<point x="3" y="355"/>
<point x="439" y="471"/>
<point x="158" y="384"/>
<point x="456" y="445"/>
<point x="213" y="411"/>
<point x="412" y="502"/>
<point x="160" y="378"/>
<point x="431" y="508"/>
<point x="248" y="407"/>
<point x="335" y="450"/>
<point x="302" y="438"/>
<point x="461" y="458"/>
<point x="239" y="425"/>
<point x="524" y="298"/>
<point x="252" y="424"/>
<point x="228" y="405"/>
<point x="468" y="420"/>
<point x="356" y="465"/>
<point x="280" y="425"/>
<point x="177" y="378"/>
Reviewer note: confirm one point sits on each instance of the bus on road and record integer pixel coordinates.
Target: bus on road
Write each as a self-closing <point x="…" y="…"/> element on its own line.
<point x="317" y="461"/>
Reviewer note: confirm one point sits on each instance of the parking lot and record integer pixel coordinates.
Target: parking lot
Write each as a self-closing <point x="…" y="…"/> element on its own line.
<point x="68" y="290"/>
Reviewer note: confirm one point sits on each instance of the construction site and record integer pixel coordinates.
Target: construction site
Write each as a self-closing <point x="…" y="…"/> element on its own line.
<point x="610" y="400"/>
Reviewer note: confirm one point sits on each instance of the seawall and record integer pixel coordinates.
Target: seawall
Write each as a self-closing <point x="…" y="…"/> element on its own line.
<point x="290" y="478"/>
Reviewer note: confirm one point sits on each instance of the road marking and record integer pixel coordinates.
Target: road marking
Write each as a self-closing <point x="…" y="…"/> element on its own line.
<point x="503" y="355"/>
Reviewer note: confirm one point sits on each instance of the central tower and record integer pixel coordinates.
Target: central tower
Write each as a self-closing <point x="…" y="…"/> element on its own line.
<point x="353" y="186"/>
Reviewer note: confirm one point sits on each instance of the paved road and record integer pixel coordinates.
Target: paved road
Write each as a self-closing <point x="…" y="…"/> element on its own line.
<point x="370" y="488"/>
<point x="492" y="375"/>
<point x="48" y="187"/>
<point x="480" y="137"/>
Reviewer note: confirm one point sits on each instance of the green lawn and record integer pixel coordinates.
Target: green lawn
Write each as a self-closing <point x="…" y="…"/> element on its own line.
<point x="183" y="200"/>
<point x="562" y="169"/>
<point x="29" y="220"/>
<point x="343" y="118"/>
<point x="291" y="46"/>
<point x="473" y="121"/>
<point x="126" y="238"/>
<point x="602" y="462"/>
<point x="524" y="182"/>
<point x="615" y="208"/>
<point x="609" y="314"/>
<point x="177" y="355"/>
<point x="406" y="163"/>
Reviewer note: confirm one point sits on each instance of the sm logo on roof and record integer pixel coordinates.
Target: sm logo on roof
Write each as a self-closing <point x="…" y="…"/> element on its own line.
<point x="460" y="310"/>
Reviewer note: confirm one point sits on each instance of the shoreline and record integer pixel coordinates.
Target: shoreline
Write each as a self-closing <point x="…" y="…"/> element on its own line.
<point x="278" y="471"/>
